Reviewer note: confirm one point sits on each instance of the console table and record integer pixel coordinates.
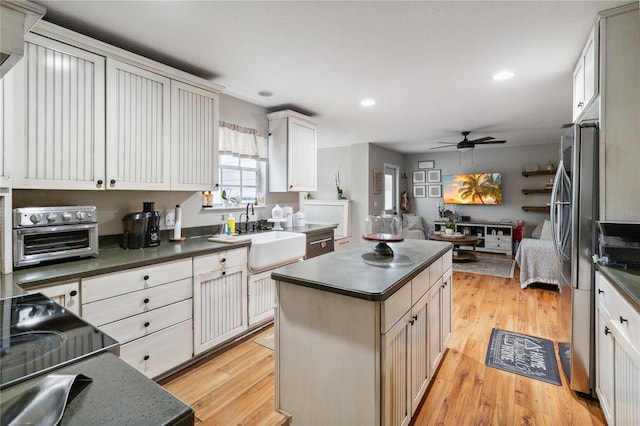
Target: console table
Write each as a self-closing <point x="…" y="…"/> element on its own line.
<point x="493" y="237"/>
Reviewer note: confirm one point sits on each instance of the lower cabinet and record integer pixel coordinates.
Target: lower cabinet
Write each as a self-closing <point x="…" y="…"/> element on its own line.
<point x="219" y="298"/>
<point x="66" y="294"/>
<point x="148" y="310"/>
<point x="617" y="356"/>
<point x="262" y="297"/>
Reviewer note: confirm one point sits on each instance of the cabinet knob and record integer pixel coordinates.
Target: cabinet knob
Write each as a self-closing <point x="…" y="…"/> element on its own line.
<point x="411" y="321"/>
<point x="223" y="260"/>
<point x="146" y="357"/>
<point x="100" y="182"/>
<point x="580" y="104"/>
<point x="415" y="317"/>
<point x="146" y="300"/>
<point x="146" y="277"/>
<point x="112" y="181"/>
<point x="600" y="291"/>
<point x="606" y="330"/>
<point x="73" y="293"/>
<point x="224" y="272"/>
<point x="146" y="324"/>
<point x="623" y="320"/>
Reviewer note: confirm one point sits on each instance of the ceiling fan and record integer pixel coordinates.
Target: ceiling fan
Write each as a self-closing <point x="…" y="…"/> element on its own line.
<point x="468" y="145"/>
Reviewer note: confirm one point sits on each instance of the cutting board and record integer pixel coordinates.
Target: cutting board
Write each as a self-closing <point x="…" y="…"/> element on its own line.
<point x="228" y="239"/>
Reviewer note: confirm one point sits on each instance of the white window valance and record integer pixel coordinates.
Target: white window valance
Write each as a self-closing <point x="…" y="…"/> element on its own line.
<point x="243" y="142"/>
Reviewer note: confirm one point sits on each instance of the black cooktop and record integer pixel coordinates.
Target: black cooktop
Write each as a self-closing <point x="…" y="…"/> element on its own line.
<point x="38" y="335"/>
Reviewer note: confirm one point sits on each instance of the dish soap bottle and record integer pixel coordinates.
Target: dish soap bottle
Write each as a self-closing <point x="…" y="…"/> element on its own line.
<point x="231" y="225"/>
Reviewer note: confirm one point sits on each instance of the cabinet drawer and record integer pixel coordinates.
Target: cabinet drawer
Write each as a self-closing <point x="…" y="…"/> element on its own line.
<point x="159" y="352"/>
<point x="104" y="286"/>
<point x="498" y="245"/>
<point x="219" y="260"/>
<point x="447" y="261"/>
<point x="420" y="284"/>
<point x="395" y="307"/>
<point x="319" y="244"/>
<point x="435" y="271"/>
<point x="623" y="315"/>
<point x="150" y="322"/>
<point x="495" y="239"/>
<point x="137" y="302"/>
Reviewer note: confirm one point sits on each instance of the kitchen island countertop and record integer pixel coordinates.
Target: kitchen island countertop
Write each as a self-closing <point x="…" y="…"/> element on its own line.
<point x="345" y="272"/>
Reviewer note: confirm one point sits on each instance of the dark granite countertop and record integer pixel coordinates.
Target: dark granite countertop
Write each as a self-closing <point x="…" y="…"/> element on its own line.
<point x="113" y="258"/>
<point x="119" y="394"/>
<point x="345" y="272"/>
<point x="627" y="281"/>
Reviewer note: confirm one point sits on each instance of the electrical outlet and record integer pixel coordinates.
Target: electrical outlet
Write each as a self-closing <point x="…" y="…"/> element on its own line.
<point x="170" y="219"/>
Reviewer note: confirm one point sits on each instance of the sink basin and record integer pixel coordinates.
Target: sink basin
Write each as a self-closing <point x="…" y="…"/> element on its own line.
<point x="271" y="249"/>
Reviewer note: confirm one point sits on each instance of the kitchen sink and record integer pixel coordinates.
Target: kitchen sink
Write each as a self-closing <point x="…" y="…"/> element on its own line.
<point x="272" y="249"/>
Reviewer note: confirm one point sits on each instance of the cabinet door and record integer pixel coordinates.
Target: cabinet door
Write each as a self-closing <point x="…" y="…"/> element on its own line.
<point x="626" y="379"/>
<point x="194" y="138"/>
<point x="396" y="370"/>
<point x="420" y="366"/>
<point x="301" y="155"/>
<point x="604" y="365"/>
<point x="138" y="123"/>
<point x="6" y="114"/>
<point x="590" y="68"/>
<point x="219" y="307"/>
<point x="578" y="88"/>
<point x="65" y="294"/>
<point x="434" y="313"/>
<point x="445" y="303"/>
<point x="60" y="104"/>
<point x="262" y="297"/>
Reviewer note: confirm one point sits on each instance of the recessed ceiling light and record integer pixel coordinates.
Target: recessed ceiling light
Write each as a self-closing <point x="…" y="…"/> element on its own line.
<point x="265" y="93"/>
<point x="503" y="75"/>
<point x="367" y="102"/>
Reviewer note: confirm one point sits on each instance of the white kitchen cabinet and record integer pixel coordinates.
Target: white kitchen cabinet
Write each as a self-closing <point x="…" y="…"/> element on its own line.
<point x="619" y="106"/>
<point x="397" y="372"/>
<point x="585" y="75"/>
<point x="292" y="152"/>
<point x="262" y="297"/>
<point x="59" y="107"/>
<point x="148" y="310"/>
<point x="618" y="355"/>
<point x="219" y="298"/>
<point x="6" y="121"/>
<point x="66" y="294"/>
<point x="138" y="128"/>
<point x="194" y="138"/>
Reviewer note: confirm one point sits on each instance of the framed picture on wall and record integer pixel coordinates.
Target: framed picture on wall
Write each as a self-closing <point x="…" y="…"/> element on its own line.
<point x="433" y="175"/>
<point x="429" y="164"/>
<point x="435" y="191"/>
<point x="419" y="176"/>
<point x="419" y="191"/>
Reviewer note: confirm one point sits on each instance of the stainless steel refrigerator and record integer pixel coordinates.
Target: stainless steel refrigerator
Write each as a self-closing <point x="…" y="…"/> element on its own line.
<point x="574" y="211"/>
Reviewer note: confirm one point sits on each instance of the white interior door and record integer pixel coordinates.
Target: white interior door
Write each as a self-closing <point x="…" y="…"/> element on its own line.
<point x="391" y="189"/>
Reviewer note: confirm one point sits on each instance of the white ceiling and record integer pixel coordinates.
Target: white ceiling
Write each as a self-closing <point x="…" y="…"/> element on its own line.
<point x="428" y="64"/>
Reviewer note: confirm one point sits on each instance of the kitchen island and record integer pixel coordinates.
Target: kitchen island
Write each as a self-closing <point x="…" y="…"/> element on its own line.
<point x="358" y="342"/>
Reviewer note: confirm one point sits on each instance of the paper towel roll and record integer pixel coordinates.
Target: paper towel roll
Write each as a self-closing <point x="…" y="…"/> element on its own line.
<point x="178" y="225"/>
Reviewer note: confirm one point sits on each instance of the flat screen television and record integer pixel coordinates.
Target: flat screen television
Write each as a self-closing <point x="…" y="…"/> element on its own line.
<point x="477" y="188"/>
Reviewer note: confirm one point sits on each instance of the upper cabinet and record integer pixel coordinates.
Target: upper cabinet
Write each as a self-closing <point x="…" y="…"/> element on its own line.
<point x="138" y="126"/>
<point x="194" y="138"/>
<point x="155" y="127"/>
<point x="6" y="111"/>
<point x="585" y="75"/>
<point x="292" y="152"/>
<point x="62" y="113"/>
<point x="619" y="106"/>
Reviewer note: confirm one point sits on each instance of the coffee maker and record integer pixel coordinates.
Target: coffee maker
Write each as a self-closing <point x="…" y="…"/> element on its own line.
<point x="152" y="236"/>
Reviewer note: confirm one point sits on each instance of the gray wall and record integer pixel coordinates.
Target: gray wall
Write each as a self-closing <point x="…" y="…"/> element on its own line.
<point x="113" y="205"/>
<point x="510" y="161"/>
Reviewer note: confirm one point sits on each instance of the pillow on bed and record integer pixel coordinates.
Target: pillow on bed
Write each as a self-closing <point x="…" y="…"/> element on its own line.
<point x="537" y="231"/>
<point x="412" y="222"/>
<point x="546" y="234"/>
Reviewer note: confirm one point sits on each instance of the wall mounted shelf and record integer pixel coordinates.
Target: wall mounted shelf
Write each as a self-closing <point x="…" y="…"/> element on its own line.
<point x="539" y="209"/>
<point x="536" y="191"/>
<point x="539" y="173"/>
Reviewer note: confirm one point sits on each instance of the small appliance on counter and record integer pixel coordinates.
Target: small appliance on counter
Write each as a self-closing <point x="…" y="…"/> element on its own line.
<point x="53" y="233"/>
<point x="141" y="229"/>
<point x="618" y="244"/>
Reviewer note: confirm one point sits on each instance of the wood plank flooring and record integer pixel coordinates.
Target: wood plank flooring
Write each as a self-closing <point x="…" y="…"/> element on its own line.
<point x="236" y="386"/>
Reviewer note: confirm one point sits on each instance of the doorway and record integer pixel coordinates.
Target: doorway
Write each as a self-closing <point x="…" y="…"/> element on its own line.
<point x="391" y="172"/>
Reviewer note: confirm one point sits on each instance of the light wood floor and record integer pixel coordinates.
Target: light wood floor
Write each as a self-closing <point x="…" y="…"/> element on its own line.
<point x="236" y="387"/>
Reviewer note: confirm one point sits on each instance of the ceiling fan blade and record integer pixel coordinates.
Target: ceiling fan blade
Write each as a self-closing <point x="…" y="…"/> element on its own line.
<point x="440" y="147"/>
<point x="449" y="143"/>
<point x="486" y="138"/>
<point x="488" y="142"/>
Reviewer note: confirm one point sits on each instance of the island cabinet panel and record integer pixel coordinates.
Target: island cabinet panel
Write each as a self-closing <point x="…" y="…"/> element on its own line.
<point x="65" y="294"/>
<point x="345" y="360"/>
